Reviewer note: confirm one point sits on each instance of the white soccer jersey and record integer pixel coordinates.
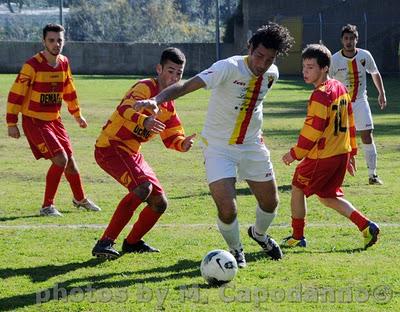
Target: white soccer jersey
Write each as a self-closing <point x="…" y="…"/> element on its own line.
<point x="352" y="72"/>
<point x="235" y="110"/>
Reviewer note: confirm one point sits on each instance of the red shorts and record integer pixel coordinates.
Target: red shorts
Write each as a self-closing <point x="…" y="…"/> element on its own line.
<point x="129" y="170"/>
<point x="46" y="138"/>
<point x="323" y="177"/>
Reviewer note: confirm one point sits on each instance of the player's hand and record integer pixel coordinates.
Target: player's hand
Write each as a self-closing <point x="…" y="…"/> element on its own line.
<point x="13" y="132"/>
<point x="149" y="104"/>
<point x="154" y="125"/>
<point x="188" y="142"/>
<point x="382" y="101"/>
<point x="81" y="122"/>
<point x="287" y="159"/>
<point x="351" y="166"/>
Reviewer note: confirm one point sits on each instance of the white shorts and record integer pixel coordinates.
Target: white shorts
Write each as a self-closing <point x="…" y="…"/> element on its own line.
<point x="244" y="161"/>
<point x="362" y="115"/>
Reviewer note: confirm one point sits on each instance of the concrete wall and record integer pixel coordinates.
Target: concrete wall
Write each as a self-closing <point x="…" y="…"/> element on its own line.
<point x="113" y="58"/>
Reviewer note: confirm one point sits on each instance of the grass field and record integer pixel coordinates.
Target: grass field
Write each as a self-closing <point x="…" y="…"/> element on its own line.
<point x="46" y="263"/>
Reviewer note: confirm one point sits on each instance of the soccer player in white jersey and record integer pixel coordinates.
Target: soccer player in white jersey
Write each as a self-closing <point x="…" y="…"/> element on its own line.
<point x="232" y="134"/>
<point x="350" y="65"/>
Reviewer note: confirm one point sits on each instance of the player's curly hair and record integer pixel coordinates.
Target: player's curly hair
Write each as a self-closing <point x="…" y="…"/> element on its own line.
<point x="273" y="36"/>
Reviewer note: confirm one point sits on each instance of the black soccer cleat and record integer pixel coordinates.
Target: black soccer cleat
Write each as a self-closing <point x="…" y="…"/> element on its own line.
<point x="138" y="247"/>
<point x="270" y="246"/>
<point x="104" y="249"/>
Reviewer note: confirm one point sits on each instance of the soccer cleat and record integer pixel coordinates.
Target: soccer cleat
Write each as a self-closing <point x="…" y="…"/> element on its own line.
<point x="87" y="204"/>
<point x="138" y="247"/>
<point x="290" y="241"/>
<point x="239" y="256"/>
<point x="270" y="247"/>
<point x="50" y="211"/>
<point x="370" y="234"/>
<point x="374" y="180"/>
<point x="104" y="249"/>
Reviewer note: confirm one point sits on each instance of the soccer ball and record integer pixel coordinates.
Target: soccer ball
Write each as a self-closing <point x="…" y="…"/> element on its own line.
<point x="218" y="267"/>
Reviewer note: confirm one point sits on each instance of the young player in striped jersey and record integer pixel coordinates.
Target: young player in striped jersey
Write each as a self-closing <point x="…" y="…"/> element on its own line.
<point x="43" y="83"/>
<point x="327" y="147"/>
<point x="117" y="152"/>
<point x="350" y="66"/>
<point x="232" y="134"/>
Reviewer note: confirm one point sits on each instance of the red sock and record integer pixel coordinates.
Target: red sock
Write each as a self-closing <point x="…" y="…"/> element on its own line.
<point x="359" y="219"/>
<point x="121" y="216"/>
<point x="147" y="218"/>
<point x="298" y="228"/>
<point x="53" y="178"/>
<point x="75" y="182"/>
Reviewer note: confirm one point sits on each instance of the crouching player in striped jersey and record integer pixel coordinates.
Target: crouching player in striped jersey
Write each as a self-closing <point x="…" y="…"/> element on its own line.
<point x="117" y="152"/>
<point x="327" y="147"/>
<point x="43" y="83"/>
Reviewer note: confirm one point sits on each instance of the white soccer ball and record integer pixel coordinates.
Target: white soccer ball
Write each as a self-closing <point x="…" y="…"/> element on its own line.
<point x="218" y="267"/>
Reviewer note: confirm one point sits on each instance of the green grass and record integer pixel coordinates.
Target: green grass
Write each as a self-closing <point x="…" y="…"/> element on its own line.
<point x="40" y="256"/>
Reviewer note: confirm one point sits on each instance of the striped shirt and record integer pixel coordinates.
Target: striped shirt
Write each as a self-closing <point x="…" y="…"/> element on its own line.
<point x="328" y="129"/>
<point x="235" y="110"/>
<point x="39" y="89"/>
<point x="352" y="72"/>
<point x="126" y="128"/>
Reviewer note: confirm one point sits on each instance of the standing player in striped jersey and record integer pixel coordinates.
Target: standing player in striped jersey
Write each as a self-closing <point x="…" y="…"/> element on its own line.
<point x="43" y="83"/>
<point x="117" y="152"/>
<point x="350" y="66"/>
<point x="232" y="139"/>
<point x="327" y="147"/>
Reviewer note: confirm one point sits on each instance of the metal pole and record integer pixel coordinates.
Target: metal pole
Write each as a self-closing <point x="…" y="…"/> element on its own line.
<point x="365" y="30"/>
<point x="217" y="41"/>
<point x="320" y="27"/>
<point x="61" y="13"/>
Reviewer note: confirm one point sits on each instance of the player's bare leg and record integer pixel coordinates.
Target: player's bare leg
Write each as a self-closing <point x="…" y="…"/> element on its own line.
<point x="224" y="194"/>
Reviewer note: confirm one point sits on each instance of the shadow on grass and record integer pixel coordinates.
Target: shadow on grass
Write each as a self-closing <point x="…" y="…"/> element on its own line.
<point x="88" y="288"/>
<point x="43" y="273"/>
<point x="11" y="218"/>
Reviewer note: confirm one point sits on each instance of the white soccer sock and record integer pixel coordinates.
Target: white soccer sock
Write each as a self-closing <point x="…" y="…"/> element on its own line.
<point x="263" y="221"/>
<point x="370" y="155"/>
<point x="230" y="233"/>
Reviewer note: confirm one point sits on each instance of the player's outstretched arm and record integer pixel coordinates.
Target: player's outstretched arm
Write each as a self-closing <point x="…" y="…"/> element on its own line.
<point x="171" y="93"/>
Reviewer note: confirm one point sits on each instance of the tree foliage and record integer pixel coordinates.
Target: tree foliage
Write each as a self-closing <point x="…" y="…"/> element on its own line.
<point x="160" y="21"/>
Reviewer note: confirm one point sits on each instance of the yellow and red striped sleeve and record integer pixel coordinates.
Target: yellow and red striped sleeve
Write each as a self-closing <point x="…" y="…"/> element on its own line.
<point x="18" y="92"/>
<point x="314" y="125"/>
<point x="173" y="135"/>
<point x="69" y="91"/>
<point x="144" y="89"/>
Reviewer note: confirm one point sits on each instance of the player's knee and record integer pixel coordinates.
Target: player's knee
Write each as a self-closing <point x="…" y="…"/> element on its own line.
<point x="227" y="216"/>
<point x="271" y="205"/>
<point x="143" y="190"/>
<point x="60" y="160"/>
<point x="158" y="204"/>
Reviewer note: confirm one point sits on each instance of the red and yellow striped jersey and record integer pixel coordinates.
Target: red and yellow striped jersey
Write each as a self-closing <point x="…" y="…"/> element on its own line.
<point x="125" y="126"/>
<point x="329" y="125"/>
<point x="39" y="89"/>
